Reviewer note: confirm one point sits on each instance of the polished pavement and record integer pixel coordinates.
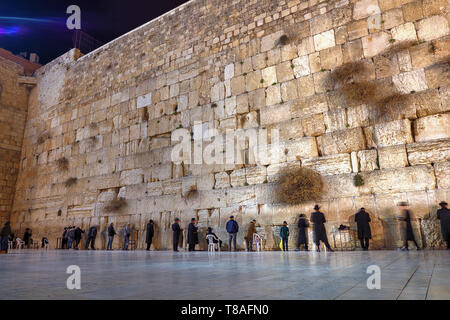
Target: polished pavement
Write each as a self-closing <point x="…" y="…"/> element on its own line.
<point x="40" y="274"/>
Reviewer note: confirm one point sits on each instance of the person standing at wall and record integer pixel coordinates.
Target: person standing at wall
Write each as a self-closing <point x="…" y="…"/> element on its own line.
<point x="64" y="239"/>
<point x="77" y="237"/>
<point x="192" y="234"/>
<point x="232" y="229"/>
<point x="92" y="234"/>
<point x="71" y="237"/>
<point x="443" y="214"/>
<point x="302" y="226"/>
<point x="176" y="233"/>
<point x="250" y="232"/>
<point x="284" y="234"/>
<point x="4" y="235"/>
<point x="406" y="218"/>
<point x="149" y="235"/>
<point x="362" y="220"/>
<point x="320" y="233"/>
<point x="111" y="234"/>
<point x="27" y="237"/>
<point x="126" y="236"/>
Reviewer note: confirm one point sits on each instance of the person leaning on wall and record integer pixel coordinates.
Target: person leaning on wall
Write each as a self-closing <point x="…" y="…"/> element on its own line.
<point x="443" y="214"/>
<point x="406" y="218"/>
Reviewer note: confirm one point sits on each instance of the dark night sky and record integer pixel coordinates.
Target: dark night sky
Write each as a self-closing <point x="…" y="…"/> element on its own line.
<point x="47" y="34"/>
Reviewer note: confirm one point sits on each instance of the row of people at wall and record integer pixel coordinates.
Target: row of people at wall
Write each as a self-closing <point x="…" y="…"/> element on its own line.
<point x="362" y="219"/>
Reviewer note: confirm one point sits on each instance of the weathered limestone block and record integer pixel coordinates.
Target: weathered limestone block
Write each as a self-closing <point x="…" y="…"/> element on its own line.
<point x="331" y="58"/>
<point x="411" y="81"/>
<point x="205" y="182"/>
<point x="428" y="152"/>
<point x="229" y="71"/>
<point x="336" y="119"/>
<point x="404" y="32"/>
<point x="302" y="148"/>
<point x="290" y="129"/>
<point x="313" y="125"/>
<point x="238" y="178"/>
<point x="241" y="196"/>
<point x="273" y="95"/>
<point x="222" y="180"/>
<point x="268" y="42"/>
<point x="324" y="40"/>
<point x="284" y="71"/>
<point x="354" y="160"/>
<point x="249" y="120"/>
<point x="274" y="114"/>
<point x="393" y="157"/>
<point x="253" y="80"/>
<point x="321" y="23"/>
<point x="268" y="154"/>
<point x="442" y="171"/>
<point x="343" y="141"/>
<point x="399" y="180"/>
<point x="368" y="160"/>
<point x="269" y="76"/>
<point x="365" y="8"/>
<point x="375" y="43"/>
<point x="212" y="198"/>
<point x="172" y="186"/>
<point x="308" y="105"/>
<point x="425" y="103"/>
<point x="357" y="29"/>
<point x="330" y="165"/>
<point x="256" y="175"/>
<point x="427" y="29"/>
<point x="432" y="127"/>
<point x="289" y="90"/>
<point x="393" y="133"/>
<point x="238" y="85"/>
<point x="301" y="66"/>
<point x="144" y="100"/>
<point x="154" y="188"/>
<point x="133" y="176"/>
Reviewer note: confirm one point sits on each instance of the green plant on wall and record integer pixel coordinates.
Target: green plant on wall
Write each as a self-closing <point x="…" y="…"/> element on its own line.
<point x="358" y="180"/>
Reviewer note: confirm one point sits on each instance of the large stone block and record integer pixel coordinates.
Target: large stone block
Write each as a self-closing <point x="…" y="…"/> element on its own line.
<point x="442" y="171"/>
<point x="238" y="178"/>
<point x="256" y="175"/>
<point x="428" y="152"/>
<point x="324" y="40"/>
<point x="330" y="165"/>
<point x="222" y="180"/>
<point x="432" y="127"/>
<point x="274" y="114"/>
<point x="313" y="125"/>
<point x="411" y="81"/>
<point x="343" y="141"/>
<point x="365" y="8"/>
<point x="393" y="157"/>
<point x="368" y="160"/>
<point x="393" y="133"/>
<point x="284" y="71"/>
<point x="133" y="176"/>
<point x="301" y="66"/>
<point x="301" y="148"/>
<point x="398" y="180"/>
<point x="427" y="29"/>
<point x="375" y="43"/>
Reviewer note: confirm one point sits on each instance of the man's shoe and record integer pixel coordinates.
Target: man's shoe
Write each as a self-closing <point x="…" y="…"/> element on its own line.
<point x="329" y="249"/>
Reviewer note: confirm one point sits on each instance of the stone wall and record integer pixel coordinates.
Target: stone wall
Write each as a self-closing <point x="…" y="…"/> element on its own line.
<point x="13" y="106"/>
<point x="241" y="65"/>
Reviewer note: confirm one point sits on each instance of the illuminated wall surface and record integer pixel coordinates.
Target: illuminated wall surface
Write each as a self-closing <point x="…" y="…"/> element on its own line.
<point x="353" y="87"/>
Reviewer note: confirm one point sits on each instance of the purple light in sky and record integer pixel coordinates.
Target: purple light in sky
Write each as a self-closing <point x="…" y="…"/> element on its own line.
<point x="8" y="30"/>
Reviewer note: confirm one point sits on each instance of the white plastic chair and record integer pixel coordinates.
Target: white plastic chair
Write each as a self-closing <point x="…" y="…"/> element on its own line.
<point x="10" y="245"/>
<point x="257" y="241"/>
<point x="212" y="246"/>
<point x="20" y="243"/>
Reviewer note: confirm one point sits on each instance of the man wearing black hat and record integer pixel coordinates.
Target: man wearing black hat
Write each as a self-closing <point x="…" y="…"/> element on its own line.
<point x="362" y="220"/>
<point x="176" y="233"/>
<point x="232" y="229"/>
<point x="406" y="217"/>
<point x="318" y="218"/>
<point x="192" y="234"/>
<point x="443" y="214"/>
<point x="149" y="235"/>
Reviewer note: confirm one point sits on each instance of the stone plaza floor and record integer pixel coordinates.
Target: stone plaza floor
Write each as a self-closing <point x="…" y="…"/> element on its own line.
<point x="40" y="274"/>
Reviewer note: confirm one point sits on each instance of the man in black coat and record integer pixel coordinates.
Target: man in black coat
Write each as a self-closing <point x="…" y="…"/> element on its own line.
<point x="149" y="235"/>
<point x="362" y="220"/>
<point x="192" y="234"/>
<point x="176" y="233"/>
<point x="302" y="226"/>
<point x="27" y="237"/>
<point x="443" y="214"/>
<point x="77" y="236"/>
<point x="4" y="235"/>
<point x="92" y="234"/>
<point x="64" y="238"/>
<point x="318" y="218"/>
<point x="406" y="217"/>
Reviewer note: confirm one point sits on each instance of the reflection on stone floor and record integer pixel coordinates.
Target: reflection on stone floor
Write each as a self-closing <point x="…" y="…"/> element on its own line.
<point x="30" y="274"/>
